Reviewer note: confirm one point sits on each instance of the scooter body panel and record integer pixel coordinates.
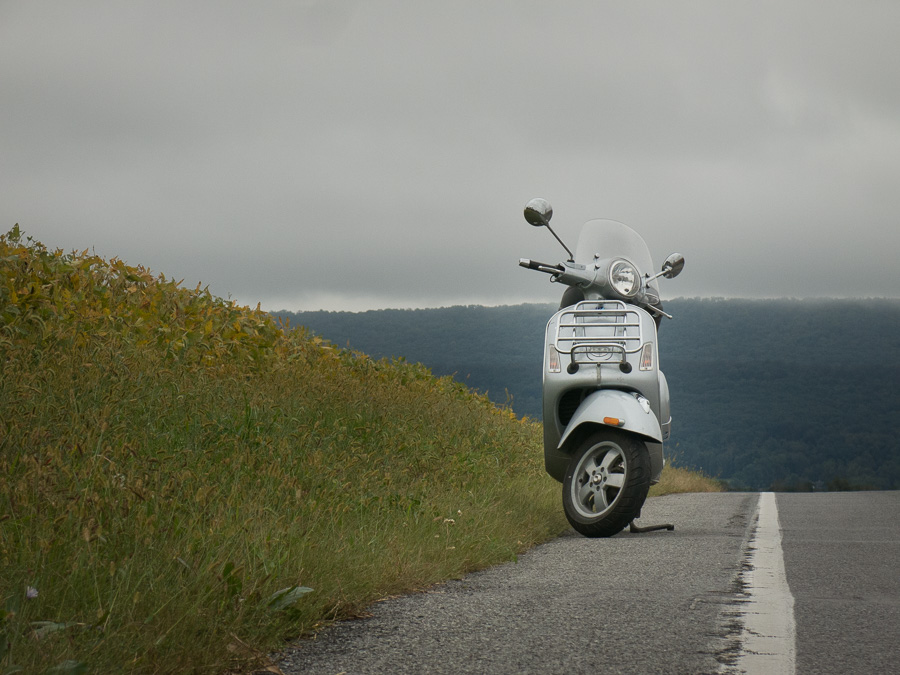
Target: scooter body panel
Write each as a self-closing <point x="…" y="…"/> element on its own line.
<point x="576" y="401"/>
<point x="665" y="415"/>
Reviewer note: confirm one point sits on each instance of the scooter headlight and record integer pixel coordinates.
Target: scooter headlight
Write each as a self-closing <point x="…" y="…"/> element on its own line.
<point x="624" y="278"/>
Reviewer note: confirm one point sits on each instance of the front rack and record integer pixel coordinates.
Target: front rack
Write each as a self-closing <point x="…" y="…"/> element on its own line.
<point x="599" y="330"/>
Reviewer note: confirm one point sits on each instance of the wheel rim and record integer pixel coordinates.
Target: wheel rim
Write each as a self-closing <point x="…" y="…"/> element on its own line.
<point x="598" y="480"/>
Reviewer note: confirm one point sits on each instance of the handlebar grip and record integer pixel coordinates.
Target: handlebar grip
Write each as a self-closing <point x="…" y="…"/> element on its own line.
<point x="539" y="266"/>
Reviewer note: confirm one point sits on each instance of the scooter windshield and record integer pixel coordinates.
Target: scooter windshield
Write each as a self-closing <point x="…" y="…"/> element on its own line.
<point x="611" y="239"/>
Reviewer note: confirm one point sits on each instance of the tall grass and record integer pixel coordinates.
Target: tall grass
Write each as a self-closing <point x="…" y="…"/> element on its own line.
<point x="176" y="472"/>
<point x="676" y="479"/>
<point x="183" y="484"/>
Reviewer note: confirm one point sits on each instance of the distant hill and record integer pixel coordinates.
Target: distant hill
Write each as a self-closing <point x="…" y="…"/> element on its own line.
<point x="784" y="394"/>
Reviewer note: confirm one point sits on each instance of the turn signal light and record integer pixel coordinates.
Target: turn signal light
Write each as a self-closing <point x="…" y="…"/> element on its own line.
<point x="614" y="421"/>
<point x="647" y="357"/>
<point x="552" y="359"/>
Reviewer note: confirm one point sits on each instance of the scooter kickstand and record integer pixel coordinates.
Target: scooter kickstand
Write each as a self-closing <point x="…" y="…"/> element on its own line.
<point x="635" y="529"/>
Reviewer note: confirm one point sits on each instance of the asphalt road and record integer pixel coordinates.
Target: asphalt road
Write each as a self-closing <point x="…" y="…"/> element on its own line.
<point x="842" y="558"/>
<point x="661" y="602"/>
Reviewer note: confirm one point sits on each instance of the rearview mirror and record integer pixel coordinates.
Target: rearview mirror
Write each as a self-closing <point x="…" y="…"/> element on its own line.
<point x="673" y="265"/>
<point x="538" y="212"/>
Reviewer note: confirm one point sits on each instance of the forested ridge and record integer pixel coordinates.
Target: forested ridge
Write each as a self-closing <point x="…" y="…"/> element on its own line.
<point x="782" y="394"/>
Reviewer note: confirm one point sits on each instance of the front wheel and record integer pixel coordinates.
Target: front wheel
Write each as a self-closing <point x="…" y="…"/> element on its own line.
<point x="606" y="483"/>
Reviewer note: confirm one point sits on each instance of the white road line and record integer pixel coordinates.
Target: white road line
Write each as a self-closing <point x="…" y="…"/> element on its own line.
<point x="768" y="639"/>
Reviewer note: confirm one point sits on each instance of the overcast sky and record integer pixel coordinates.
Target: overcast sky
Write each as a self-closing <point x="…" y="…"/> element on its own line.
<point x="360" y="155"/>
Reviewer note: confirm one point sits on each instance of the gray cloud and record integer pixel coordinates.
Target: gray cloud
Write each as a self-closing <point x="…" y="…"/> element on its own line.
<point x="342" y="154"/>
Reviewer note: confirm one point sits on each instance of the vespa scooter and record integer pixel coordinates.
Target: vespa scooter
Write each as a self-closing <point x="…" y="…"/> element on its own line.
<point x="605" y="400"/>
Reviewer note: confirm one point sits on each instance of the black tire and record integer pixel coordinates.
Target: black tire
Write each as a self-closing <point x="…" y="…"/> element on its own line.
<point x="606" y="483"/>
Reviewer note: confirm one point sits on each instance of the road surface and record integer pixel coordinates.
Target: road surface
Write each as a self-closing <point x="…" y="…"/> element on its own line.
<point x="662" y="602"/>
<point x="842" y="556"/>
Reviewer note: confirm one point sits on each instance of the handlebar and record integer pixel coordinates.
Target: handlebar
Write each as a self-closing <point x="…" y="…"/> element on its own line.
<point x="572" y="274"/>
<point x="540" y="267"/>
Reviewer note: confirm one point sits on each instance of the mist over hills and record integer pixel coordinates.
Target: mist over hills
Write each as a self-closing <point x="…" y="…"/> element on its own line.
<point x="783" y="394"/>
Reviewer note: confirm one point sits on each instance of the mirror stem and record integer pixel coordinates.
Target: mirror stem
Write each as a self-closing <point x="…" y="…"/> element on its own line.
<point x="571" y="255"/>
<point x="657" y="310"/>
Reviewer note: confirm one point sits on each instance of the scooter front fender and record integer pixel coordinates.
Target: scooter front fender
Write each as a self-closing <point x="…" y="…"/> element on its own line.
<point x="612" y="403"/>
<point x="633" y="416"/>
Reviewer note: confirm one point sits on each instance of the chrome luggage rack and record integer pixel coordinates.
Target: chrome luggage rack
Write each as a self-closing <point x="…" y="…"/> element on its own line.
<point x="599" y="330"/>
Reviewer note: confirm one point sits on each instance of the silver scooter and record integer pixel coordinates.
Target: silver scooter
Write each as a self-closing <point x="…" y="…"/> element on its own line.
<point x="605" y="400"/>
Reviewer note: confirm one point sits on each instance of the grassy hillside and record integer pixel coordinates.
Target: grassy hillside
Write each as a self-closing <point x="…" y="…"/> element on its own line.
<point x="183" y="485"/>
<point x="169" y="463"/>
